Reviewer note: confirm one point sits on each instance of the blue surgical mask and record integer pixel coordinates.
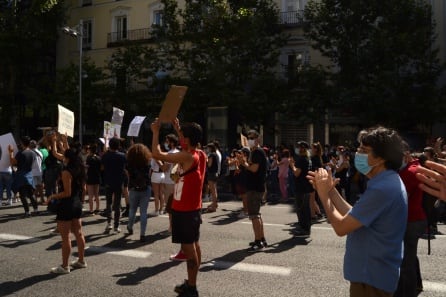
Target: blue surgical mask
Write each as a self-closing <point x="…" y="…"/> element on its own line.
<point x="362" y="163"/>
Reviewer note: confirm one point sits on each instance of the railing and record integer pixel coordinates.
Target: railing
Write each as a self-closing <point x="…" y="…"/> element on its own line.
<point x="117" y="38"/>
<point x="291" y="18"/>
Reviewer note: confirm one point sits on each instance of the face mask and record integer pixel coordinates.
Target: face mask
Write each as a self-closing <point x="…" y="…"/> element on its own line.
<point x="362" y="163"/>
<point x="251" y="143"/>
<point x="297" y="151"/>
<point x="166" y="146"/>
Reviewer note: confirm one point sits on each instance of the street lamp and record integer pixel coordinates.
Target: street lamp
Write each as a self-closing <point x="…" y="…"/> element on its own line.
<point x="77" y="32"/>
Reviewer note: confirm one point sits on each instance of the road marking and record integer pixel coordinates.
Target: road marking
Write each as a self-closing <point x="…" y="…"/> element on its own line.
<point x="433" y="286"/>
<point x="15" y="237"/>
<point x="111" y="251"/>
<point x="285" y="271"/>
<point x="285" y="225"/>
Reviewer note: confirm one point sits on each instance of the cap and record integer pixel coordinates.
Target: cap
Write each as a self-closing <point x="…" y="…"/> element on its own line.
<point x="303" y="144"/>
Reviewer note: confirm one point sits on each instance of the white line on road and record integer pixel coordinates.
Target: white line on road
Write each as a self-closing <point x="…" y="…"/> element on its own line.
<point x="434" y="287"/>
<point x="249" y="267"/>
<point x="110" y="251"/>
<point x="15" y="237"/>
<point x="284" y="225"/>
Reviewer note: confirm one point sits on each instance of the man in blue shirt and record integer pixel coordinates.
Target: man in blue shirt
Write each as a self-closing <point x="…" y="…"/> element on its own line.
<point x="375" y="225"/>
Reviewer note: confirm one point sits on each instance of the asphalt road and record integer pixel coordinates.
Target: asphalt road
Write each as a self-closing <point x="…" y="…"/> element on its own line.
<point x="119" y="265"/>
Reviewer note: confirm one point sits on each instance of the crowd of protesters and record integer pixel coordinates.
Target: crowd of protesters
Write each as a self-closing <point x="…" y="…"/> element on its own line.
<point x="305" y="174"/>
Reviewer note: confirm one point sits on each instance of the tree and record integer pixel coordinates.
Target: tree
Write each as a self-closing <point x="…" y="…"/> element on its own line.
<point x="28" y="34"/>
<point x="226" y="52"/>
<point x="386" y="66"/>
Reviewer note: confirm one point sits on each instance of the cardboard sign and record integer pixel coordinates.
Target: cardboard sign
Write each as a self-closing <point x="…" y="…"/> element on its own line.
<point x="5" y="141"/>
<point x="135" y="126"/>
<point x="118" y="116"/>
<point x="171" y="105"/>
<point x="65" y="121"/>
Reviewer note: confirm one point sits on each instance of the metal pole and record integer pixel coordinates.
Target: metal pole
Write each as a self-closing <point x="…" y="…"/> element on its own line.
<point x="80" y="36"/>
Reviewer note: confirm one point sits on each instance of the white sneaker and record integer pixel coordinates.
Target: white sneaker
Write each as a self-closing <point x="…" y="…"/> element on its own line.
<point x="117" y="230"/>
<point x="242" y="215"/>
<point x="77" y="264"/>
<point x="60" y="270"/>
<point x="155" y="213"/>
<point x="108" y="227"/>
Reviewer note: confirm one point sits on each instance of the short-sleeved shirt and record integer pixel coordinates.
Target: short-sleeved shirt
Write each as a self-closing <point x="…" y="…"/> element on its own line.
<point x="302" y="183"/>
<point x="214" y="166"/>
<point x="374" y="252"/>
<point x="255" y="181"/>
<point x="25" y="160"/>
<point x="114" y="164"/>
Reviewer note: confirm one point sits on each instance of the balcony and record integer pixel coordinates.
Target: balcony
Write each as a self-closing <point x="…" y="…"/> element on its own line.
<point x="130" y="36"/>
<point x="291" y="18"/>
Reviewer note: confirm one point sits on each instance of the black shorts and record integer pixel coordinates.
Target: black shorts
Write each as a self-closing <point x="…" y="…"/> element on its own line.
<point x="68" y="210"/>
<point x="186" y="226"/>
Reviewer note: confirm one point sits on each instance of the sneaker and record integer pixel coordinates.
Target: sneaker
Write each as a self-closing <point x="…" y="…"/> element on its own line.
<point x="117" y="230"/>
<point x="257" y="247"/>
<point x="130" y="231"/>
<point x="142" y="238"/>
<point x="9" y="203"/>
<point x="301" y="233"/>
<point x="155" y="213"/>
<point x="26" y="215"/>
<point x="108" y="227"/>
<point x="264" y="243"/>
<point x="160" y="213"/>
<point x="206" y="198"/>
<point x="185" y="290"/>
<point x="78" y="264"/>
<point x="242" y="215"/>
<point x="60" y="270"/>
<point x="180" y="256"/>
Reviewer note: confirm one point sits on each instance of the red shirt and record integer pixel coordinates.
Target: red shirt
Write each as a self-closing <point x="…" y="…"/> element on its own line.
<point x="414" y="193"/>
<point x="188" y="190"/>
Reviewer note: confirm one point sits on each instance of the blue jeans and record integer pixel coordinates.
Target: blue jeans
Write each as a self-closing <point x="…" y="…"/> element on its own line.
<point x="141" y="199"/>
<point x="5" y="184"/>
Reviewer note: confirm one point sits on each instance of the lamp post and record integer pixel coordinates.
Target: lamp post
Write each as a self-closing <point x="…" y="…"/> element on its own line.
<point x="77" y="32"/>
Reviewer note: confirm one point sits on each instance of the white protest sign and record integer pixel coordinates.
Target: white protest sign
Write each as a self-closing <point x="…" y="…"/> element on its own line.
<point x="5" y="141"/>
<point x="135" y="126"/>
<point x="65" y="121"/>
<point x="111" y="130"/>
<point x="118" y="116"/>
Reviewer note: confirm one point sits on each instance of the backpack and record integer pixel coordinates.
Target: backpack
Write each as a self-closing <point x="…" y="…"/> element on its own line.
<point x="139" y="179"/>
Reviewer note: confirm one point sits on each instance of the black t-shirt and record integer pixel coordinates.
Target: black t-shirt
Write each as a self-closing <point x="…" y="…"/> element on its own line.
<point x="94" y="170"/>
<point x="214" y="167"/>
<point x="255" y="181"/>
<point x="114" y="164"/>
<point x="25" y="160"/>
<point x="302" y="183"/>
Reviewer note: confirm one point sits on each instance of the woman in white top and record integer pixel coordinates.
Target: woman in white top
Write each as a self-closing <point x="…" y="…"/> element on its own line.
<point x="157" y="179"/>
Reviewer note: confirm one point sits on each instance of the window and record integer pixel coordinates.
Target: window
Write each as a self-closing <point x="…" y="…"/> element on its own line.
<point x="121" y="27"/>
<point x="158" y="17"/>
<point x="87" y="26"/>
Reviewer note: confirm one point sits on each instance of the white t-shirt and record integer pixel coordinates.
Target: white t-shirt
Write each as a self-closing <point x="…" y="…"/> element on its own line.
<point x="167" y="179"/>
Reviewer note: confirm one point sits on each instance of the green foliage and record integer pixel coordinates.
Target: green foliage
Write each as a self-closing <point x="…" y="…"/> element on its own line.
<point x="387" y="66"/>
<point x="226" y="51"/>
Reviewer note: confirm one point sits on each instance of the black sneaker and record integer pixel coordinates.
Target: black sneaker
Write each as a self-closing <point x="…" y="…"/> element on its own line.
<point x="185" y="290"/>
<point x="301" y="233"/>
<point x="257" y="247"/>
<point x="264" y="243"/>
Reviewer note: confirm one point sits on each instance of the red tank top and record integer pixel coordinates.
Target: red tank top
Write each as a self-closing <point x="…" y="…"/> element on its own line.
<point x="188" y="190"/>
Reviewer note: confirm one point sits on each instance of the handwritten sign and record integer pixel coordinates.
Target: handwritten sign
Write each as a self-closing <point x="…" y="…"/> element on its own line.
<point x="118" y="116"/>
<point x="135" y="126"/>
<point x="65" y="121"/>
<point x="171" y="105"/>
